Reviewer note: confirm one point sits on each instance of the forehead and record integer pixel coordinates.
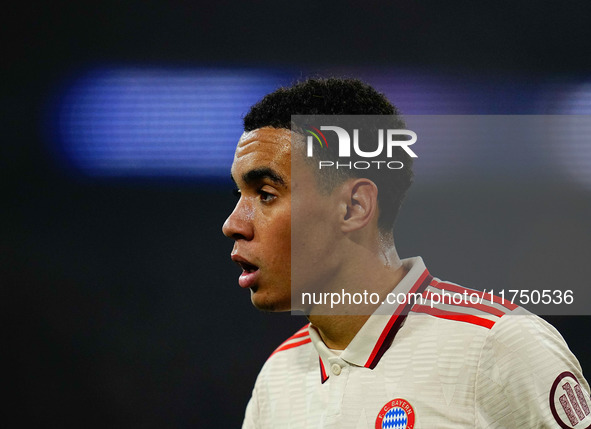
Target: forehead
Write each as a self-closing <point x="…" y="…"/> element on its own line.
<point x="263" y="147"/>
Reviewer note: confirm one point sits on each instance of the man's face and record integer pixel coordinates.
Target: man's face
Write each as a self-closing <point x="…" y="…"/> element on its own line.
<point x="261" y="221"/>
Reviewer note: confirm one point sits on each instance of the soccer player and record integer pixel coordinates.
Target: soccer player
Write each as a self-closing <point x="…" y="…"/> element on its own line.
<point x="404" y="364"/>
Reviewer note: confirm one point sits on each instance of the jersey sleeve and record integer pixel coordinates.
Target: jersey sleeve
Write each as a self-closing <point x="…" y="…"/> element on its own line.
<point x="528" y="378"/>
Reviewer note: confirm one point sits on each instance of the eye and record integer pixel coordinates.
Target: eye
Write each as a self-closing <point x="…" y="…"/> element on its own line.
<point x="266" y="196"/>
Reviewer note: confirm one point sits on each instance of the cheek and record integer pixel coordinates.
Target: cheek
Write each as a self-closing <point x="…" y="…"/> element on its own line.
<point x="314" y="226"/>
<point x="312" y="242"/>
<point x="277" y="235"/>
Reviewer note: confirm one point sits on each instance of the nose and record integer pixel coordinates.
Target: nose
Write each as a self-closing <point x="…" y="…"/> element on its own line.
<point x="239" y="225"/>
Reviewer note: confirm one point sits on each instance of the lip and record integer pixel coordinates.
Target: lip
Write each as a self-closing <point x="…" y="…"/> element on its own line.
<point x="247" y="280"/>
<point x="248" y="277"/>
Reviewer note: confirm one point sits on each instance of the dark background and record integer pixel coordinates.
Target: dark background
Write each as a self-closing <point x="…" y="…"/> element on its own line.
<point x="121" y="307"/>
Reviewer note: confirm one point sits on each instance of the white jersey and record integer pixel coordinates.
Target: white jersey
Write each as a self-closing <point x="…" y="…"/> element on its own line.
<point x="484" y="365"/>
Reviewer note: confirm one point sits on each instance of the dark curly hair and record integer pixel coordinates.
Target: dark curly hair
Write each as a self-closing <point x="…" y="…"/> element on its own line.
<point x="338" y="96"/>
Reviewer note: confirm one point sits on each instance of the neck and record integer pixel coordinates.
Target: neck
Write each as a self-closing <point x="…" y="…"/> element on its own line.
<point x="338" y="330"/>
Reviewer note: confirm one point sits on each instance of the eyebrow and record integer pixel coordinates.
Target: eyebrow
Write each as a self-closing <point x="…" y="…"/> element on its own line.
<point x="258" y="174"/>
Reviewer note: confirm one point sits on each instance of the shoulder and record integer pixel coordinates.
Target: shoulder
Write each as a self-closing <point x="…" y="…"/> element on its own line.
<point x="527" y="368"/>
<point x="526" y="376"/>
<point x="462" y="307"/>
<point x="506" y="333"/>
<point x="285" y="366"/>
<point x="504" y="325"/>
<point x="527" y="343"/>
<point x="298" y="339"/>
<point x="291" y="356"/>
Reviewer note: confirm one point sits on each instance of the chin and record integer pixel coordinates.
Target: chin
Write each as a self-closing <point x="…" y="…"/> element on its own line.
<point x="268" y="303"/>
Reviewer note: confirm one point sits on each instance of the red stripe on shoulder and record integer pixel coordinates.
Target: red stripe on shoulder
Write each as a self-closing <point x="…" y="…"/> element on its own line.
<point x="451" y="315"/>
<point x="290" y="343"/>
<point x="482" y="307"/>
<point x="298" y="334"/>
<point x="485" y="295"/>
<point x="304" y="328"/>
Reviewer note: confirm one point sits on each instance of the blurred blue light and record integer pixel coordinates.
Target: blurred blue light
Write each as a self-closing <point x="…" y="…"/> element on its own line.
<point x="183" y="123"/>
<point x="577" y="101"/>
<point x="141" y="122"/>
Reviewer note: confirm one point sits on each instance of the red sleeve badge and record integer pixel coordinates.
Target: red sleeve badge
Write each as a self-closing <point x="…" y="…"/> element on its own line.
<point x="569" y="404"/>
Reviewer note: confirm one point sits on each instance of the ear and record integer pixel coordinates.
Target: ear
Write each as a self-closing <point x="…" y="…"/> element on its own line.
<point x="361" y="198"/>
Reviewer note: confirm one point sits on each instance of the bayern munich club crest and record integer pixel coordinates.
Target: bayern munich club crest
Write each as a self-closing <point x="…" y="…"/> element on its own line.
<point x="569" y="404"/>
<point x="396" y="414"/>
